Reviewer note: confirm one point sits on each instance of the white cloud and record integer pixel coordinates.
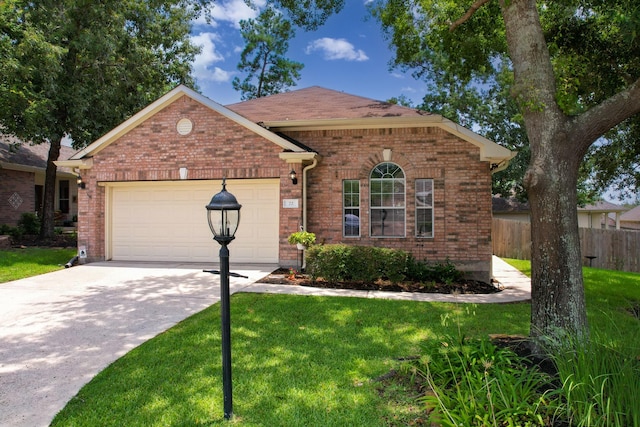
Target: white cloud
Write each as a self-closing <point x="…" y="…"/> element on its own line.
<point x="337" y="49"/>
<point x="234" y="11"/>
<point x="207" y="57"/>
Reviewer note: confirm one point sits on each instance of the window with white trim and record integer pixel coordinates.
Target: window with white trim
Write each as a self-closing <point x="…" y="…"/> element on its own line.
<point x="351" y="208"/>
<point x="424" y="207"/>
<point x="387" y="201"/>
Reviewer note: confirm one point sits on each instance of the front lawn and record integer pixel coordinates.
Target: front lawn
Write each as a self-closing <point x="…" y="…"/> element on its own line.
<point x="311" y="361"/>
<point x="297" y="361"/>
<point x="20" y="263"/>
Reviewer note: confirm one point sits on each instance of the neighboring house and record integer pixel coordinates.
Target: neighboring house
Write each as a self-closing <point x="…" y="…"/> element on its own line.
<point x="601" y="214"/>
<point x="367" y="172"/>
<point x="630" y="220"/>
<point x="22" y="171"/>
<point x="511" y="209"/>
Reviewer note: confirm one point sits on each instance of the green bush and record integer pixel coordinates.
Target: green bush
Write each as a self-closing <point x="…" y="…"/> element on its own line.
<point x="30" y="223"/>
<point x="15" y="232"/>
<point x="340" y="263"/>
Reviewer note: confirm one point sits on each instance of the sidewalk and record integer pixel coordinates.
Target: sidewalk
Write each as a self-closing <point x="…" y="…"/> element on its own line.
<point x="515" y="287"/>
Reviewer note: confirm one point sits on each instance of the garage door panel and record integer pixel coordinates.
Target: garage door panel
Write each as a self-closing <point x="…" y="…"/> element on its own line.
<point x="168" y="222"/>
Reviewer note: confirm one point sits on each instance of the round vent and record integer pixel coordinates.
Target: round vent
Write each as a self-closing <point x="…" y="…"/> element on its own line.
<point x="184" y="126"/>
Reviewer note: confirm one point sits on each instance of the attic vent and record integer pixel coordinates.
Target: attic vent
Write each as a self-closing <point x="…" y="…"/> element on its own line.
<point x="184" y="126"/>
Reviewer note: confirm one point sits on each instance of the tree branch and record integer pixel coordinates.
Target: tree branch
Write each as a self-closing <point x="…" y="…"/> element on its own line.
<point x="464" y="18"/>
<point x="596" y="121"/>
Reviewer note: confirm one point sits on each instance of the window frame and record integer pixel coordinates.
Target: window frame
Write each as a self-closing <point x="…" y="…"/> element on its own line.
<point x="390" y="174"/>
<point x="349" y="210"/>
<point x="424" y="207"/>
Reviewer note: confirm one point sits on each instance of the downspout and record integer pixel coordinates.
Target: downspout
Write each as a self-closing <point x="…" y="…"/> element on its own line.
<point x="304" y="191"/>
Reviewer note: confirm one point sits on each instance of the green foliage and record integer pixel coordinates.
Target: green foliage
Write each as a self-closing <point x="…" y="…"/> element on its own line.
<point x="469" y="76"/>
<point x="600" y="378"/>
<point x="302" y="237"/>
<point x="339" y="263"/>
<point x="262" y="59"/>
<point x="475" y="383"/>
<point x="30" y="223"/>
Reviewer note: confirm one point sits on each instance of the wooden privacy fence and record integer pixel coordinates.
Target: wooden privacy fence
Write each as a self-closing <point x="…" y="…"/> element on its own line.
<point x="611" y="249"/>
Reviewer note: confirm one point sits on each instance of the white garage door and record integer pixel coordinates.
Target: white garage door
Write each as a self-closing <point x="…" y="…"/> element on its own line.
<point x="167" y="221"/>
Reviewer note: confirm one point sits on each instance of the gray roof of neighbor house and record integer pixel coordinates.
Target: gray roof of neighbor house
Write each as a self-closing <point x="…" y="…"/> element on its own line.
<point x="633" y="215"/>
<point x="511" y="205"/>
<point x="317" y="103"/>
<point x="17" y="155"/>
<point x="602" y="207"/>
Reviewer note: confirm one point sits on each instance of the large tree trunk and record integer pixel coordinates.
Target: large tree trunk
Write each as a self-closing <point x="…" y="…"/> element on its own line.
<point x="48" y="206"/>
<point x="557" y="294"/>
<point x="557" y="291"/>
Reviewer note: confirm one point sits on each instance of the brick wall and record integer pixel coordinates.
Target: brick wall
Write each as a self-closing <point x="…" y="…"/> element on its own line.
<point x="154" y="151"/>
<point x="218" y="147"/>
<point x="462" y="191"/>
<point x="20" y="183"/>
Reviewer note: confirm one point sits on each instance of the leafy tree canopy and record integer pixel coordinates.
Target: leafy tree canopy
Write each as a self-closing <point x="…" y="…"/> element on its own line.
<point x="460" y="50"/>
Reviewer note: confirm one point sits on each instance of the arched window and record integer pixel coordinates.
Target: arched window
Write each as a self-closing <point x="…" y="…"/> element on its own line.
<point x="387" y="201"/>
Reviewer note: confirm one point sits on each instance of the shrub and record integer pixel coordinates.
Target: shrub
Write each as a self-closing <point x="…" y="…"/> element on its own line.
<point x="30" y="223"/>
<point x="339" y="263"/>
<point x="15" y="232"/>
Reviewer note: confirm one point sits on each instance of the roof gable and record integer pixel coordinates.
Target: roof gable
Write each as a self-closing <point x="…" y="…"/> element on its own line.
<point x="165" y="101"/>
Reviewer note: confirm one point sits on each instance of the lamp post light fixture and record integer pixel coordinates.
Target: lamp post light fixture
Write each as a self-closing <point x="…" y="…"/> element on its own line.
<point x="223" y="214"/>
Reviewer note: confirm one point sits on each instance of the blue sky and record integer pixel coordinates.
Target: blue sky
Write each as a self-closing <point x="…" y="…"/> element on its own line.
<point x="348" y="54"/>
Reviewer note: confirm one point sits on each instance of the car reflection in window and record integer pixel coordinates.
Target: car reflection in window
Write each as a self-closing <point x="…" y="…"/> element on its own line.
<point x="351" y="225"/>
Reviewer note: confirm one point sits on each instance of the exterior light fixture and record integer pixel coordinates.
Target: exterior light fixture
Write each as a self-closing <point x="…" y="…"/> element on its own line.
<point x="183" y="173"/>
<point x="81" y="183"/>
<point x="293" y="177"/>
<point x="223" y="214"/>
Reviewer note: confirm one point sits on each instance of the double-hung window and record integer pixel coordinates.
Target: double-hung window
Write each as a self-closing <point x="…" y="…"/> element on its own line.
<point x="424" y="207"/>
<point x="351" y="208"/>
<point x="387" y="201"/>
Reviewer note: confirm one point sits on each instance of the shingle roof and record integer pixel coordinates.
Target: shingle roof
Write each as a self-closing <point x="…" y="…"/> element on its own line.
<point x="632" y="215"/>
<point x="602" y="206"/>
<point x="23" y="154"/>
<point x="318" y="103"/>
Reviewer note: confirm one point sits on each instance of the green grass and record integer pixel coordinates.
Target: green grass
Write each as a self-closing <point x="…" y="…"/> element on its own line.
<point x="20" y="263"/>
<point x="297" y="361"/>
<point x="307" y="361"/>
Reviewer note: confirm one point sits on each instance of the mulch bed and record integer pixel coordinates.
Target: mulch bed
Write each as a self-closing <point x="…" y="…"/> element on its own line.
<point x="57" y="241"/>
<point x="282" y="277"/>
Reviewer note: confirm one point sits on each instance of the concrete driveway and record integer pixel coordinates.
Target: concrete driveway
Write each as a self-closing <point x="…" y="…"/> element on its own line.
<point x="58" y="330"/>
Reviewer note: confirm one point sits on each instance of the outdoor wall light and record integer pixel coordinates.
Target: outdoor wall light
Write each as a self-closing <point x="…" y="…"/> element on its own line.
<point x="223" y="214"/>
<point x="183" y="173"/>
<point x="81" y="183"/>
<point x="293" y="177"/>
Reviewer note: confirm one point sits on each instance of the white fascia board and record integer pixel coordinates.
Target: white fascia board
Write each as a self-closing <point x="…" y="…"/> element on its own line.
<point x="298" y="157"/>
<point x="164" y="101"/>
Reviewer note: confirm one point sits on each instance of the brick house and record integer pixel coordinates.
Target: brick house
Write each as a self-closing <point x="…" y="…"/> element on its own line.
<point x="22" y="172"/>
<point x="367" y="172"/>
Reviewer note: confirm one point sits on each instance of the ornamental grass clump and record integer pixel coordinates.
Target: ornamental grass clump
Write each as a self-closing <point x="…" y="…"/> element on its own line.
<point x="473" y="382"/>
<point x="600" y="378"/>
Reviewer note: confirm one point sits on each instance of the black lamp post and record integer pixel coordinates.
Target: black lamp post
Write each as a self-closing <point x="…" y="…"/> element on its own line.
<point x="223" y="214"/>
